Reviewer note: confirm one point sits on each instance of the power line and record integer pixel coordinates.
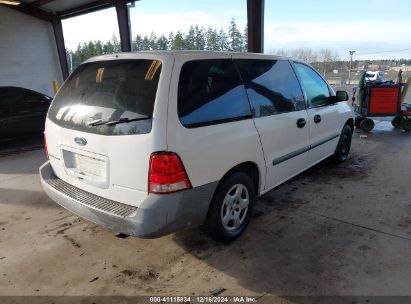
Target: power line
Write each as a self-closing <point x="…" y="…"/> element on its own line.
<point x="391" y="51"/>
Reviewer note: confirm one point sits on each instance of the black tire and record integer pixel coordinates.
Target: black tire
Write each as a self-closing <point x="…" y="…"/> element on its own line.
<point x="397" y="121"/>
<point x="367" y="124"/>
<point x="406" y="124"/>
<point x="357" y="121"/>
<point x="214" y="225"/>
<point x="344" y="145"/>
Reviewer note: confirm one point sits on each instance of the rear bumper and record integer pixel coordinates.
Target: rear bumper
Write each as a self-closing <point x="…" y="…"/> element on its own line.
<point x="157" y="215"/>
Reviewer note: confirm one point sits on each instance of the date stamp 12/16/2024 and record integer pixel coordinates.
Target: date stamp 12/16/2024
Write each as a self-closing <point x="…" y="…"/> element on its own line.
<point x="203" y="299"/>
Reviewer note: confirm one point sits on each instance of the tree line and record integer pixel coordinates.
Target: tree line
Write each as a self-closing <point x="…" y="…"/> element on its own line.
<point x="212" y="39"/>
<point x="196" y="38"/>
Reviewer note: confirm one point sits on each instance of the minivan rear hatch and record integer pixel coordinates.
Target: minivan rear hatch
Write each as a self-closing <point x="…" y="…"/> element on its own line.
<point x="100" y="127"/>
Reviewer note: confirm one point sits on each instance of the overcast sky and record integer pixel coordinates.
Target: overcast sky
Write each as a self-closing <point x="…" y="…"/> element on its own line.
<point x="375" y="29"/>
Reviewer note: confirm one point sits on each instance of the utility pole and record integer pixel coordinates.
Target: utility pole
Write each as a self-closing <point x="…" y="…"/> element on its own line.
<point x="71" y="62"/>
<point x="349" y="72"/>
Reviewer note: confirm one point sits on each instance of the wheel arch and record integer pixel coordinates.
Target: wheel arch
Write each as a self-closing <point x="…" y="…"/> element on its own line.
<point x="248" y="167"/>
<point x="251" y="169"/>
<point x="350" y="123"/>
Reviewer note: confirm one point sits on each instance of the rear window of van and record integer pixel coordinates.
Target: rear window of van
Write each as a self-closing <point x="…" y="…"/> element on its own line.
<point x="113" y="97"/>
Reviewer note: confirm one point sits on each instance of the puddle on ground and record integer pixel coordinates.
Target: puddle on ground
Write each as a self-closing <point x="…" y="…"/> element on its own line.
<point x="354" y="169"/>
<point x="287" y="196"/>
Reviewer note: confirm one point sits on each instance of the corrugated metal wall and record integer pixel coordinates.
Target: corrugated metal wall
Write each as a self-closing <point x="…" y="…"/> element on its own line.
<point x="28" y="54"/>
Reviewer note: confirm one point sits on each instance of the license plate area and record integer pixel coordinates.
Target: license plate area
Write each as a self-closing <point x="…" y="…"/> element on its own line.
<point x="86" y="166"/>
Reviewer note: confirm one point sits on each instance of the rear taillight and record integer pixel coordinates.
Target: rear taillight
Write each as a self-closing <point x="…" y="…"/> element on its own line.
<point x="167" y="174"/>
<point x="46" y="151"/>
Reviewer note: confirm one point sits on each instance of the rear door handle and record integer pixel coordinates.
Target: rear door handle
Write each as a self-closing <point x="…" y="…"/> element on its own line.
<point x="301" y="123"/>
<point x="317" y="118"/>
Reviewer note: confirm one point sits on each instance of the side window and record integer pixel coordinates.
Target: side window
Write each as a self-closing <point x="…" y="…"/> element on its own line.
<point x="315" y="87"/>
<point x="211" y="91"/>
<point x="272" y="86"/>
<point x="21" y="98"/>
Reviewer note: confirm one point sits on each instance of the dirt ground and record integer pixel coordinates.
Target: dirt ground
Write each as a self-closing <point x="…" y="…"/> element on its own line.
<point x="334" y="230"/>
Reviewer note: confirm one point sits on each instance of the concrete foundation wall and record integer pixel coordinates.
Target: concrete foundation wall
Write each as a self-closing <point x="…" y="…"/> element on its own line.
<point x="28" y="53"/>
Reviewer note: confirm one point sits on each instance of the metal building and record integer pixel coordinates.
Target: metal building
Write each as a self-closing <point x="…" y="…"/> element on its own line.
<point x="32" y="49"/>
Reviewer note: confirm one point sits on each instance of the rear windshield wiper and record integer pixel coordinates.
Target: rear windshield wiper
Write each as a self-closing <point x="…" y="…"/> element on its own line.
<point x="99" y="122"/>
<point x="125" y="120"/>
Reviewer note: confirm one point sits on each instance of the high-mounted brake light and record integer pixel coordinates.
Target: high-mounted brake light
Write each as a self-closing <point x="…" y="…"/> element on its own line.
<point x="167" y="174"/>
<point x="46" y="151"/>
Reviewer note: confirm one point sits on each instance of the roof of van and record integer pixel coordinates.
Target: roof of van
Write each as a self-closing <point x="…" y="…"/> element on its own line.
<point x="182" y="53"/>
<point x="373" y="72"/>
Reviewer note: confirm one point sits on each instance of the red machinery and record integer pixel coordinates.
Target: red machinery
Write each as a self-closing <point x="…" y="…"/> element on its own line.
<point x="381" y="100"/>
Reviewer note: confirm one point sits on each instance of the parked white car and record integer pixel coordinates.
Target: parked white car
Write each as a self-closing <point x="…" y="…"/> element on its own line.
<point x="374" y="76"/>
<point x="149" y="143"/>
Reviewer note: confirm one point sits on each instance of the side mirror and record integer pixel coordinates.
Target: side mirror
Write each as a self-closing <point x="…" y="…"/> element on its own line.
<point x="340" y="96"/>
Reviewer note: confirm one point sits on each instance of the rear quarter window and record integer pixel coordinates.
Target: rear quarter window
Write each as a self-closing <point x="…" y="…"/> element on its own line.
<point x="211" y="92"/>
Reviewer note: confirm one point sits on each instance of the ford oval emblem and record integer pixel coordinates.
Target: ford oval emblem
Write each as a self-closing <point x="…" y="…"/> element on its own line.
<point x="80" y="141"/>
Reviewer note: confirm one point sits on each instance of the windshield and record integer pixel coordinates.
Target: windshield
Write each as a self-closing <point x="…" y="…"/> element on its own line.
<point x="107" y="91"/>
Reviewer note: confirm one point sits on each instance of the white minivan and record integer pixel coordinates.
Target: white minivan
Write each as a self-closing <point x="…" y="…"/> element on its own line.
<point x="374" y="76"/>
<point x="149" y="143"/>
